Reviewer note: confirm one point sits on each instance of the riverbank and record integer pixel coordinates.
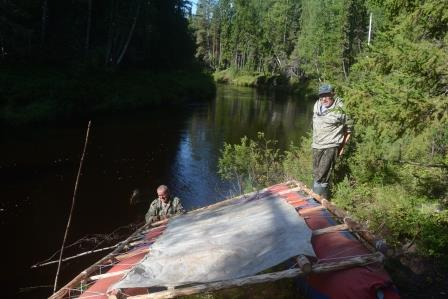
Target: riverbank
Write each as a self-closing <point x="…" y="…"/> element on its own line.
<point x="261" y="80"/>
<point x="45" y="95"/>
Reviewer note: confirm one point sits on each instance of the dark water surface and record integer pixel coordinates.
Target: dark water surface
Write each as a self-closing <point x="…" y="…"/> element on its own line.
<point x="174" y="146"/>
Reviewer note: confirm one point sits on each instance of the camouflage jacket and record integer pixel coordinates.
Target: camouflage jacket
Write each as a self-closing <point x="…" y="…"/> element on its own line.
<point x="158" y="210"/>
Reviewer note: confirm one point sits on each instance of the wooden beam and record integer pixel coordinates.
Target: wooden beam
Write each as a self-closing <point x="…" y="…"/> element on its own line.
<point x="312" y="209"/>
<point x="84" y="274"/>
<point x="369" y="240"/>
<point x="304" y="264"/>
<point x="224" y="202"/>
<point x="330" y="229"/>
<point x="262" y="278"/>
<point x="107" y="275"/>
<point x="131" y="254"/>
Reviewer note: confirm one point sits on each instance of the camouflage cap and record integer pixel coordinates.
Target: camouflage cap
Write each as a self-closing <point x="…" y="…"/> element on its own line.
<point x="325" y="88"/>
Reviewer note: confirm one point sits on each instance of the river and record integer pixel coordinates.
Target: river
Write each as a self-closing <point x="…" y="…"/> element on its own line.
<point x="179" y="147"/>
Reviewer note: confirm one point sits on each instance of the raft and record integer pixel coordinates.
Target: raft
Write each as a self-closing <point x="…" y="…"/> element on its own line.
<point x="331" y="255"/>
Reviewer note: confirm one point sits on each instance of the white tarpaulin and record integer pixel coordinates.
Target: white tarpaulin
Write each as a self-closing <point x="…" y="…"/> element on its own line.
<point x="239" y="239"/>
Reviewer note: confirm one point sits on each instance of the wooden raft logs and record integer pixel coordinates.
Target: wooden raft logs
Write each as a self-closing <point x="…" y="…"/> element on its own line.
<point x="358" y="229"/>
<point x="262" y="278"/>
<point x="87" y="272"/>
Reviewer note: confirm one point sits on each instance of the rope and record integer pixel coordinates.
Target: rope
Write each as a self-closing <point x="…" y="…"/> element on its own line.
<point x="72" y="208"/>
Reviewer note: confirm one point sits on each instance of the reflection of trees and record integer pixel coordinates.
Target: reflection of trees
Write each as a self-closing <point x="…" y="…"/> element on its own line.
<point x="235" y="113"/>
<point x="244" y="111"/>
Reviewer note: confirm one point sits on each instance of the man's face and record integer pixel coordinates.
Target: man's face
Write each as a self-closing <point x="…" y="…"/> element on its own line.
<point x="326" y="99"/>
<point x="164" y="195"/>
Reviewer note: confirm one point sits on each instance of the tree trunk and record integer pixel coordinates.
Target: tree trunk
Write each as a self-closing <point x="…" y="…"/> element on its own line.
<point x="89" y="25"/>
<point x="131" y="32"/>
<point x="44" y="18"/>
<point x="220" y="51"/>
<point x="110" y="35"/>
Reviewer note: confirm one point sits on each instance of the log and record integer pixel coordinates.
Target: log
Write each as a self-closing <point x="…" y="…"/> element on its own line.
<point x="304" y="264"/>
<point x="262" y="278"/>
<point x="131" y="254"/>
<point x="312" y="209"/>
<point x="368" y="239"/>
<point x="107" y="275"/>
<point x="74" y="256"/>
<point x="330" y="229"/>
<point x="224" y="202"/>
<point x="84" y="274"/>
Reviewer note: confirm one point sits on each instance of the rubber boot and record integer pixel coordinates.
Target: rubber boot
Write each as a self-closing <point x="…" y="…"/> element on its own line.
<point x="321" y="189"/>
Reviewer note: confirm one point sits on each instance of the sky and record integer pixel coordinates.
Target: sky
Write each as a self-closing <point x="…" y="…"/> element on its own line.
<point x="193" y="7"/>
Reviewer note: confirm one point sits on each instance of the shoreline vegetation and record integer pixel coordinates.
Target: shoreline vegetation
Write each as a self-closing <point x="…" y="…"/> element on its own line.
<point x="260" y="80"/>
<point x="387" y="60"/>
<point x="35" y="95"/>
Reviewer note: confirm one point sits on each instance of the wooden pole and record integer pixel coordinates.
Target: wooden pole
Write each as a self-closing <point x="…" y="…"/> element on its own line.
<point x="84" y="274"/>
<point x="304" y="264"/>
<point x="74" y="256"/>
<point x="135" y="241"/>
<point x="330" y="229"/>
<point x="370" y="29"/>
<point x="364" y="235"/>
<point x="72" y="207"/>
<point x="262" y="278"/>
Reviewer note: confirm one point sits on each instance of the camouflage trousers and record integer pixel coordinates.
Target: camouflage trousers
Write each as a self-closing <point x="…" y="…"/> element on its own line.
<point x="323" y="163"/>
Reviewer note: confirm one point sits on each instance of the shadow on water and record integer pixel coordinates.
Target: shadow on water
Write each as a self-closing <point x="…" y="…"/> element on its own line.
<point x="179" y="147"/>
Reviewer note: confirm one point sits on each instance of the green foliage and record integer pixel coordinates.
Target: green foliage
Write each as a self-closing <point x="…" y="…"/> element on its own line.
<point x="299" y="160"/>
<point x="40" y="95"/>
<point x="394" y="174"/>
<point x="103" y="34"/>
<point x="397" y="178"/>
<point x="397" y="215"/>
<point x="331" y="35"/>
<point x="252" y="36"/>
<point x="252" y="163"/>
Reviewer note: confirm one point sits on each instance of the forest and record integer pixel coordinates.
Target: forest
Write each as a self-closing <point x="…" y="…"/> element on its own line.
<point x="388" y="60"/>
<point x="65" y="59"/>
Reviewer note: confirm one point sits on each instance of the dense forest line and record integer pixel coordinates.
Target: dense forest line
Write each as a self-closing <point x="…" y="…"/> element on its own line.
<point x="149" y="34"/>
<point x="394" y="176"/>
<point x="296" y="38"/>
<point x="61" y="59"/>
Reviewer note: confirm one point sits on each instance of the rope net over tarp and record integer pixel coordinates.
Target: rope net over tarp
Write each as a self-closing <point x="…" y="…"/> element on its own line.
<point x="234" y="240"/>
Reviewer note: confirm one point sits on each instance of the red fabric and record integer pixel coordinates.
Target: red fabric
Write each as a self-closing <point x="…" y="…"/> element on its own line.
<point x="99" y="288"/>
<point x="155" y="232"/>
<point x="353" y="283"/>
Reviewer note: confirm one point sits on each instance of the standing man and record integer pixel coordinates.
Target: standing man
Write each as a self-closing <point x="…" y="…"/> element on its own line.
<point x="164" y="206"/>
<point x="331" y="131"/>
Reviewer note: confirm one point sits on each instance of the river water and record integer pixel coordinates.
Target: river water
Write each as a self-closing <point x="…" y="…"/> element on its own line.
<point x="179" y="147"/>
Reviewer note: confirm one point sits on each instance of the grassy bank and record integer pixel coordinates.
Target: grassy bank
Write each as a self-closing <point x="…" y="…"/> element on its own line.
<point x="258" y="80"/>
<point x="42" y="95"/>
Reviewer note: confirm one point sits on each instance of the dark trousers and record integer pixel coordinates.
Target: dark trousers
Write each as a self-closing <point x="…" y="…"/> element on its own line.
<point x="323" y="163"/>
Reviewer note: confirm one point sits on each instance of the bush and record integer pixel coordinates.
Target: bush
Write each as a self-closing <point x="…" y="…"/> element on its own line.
<point x="298" y="160"/>
<point x="252" y="164"/>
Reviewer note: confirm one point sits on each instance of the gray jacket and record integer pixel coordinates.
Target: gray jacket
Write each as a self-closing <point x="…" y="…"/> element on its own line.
<point x="330" y="126"/>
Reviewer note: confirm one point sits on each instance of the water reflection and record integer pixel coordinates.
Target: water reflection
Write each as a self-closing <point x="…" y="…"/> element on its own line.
<point x="178" y="147"/>
<point x="235" y="113"/>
